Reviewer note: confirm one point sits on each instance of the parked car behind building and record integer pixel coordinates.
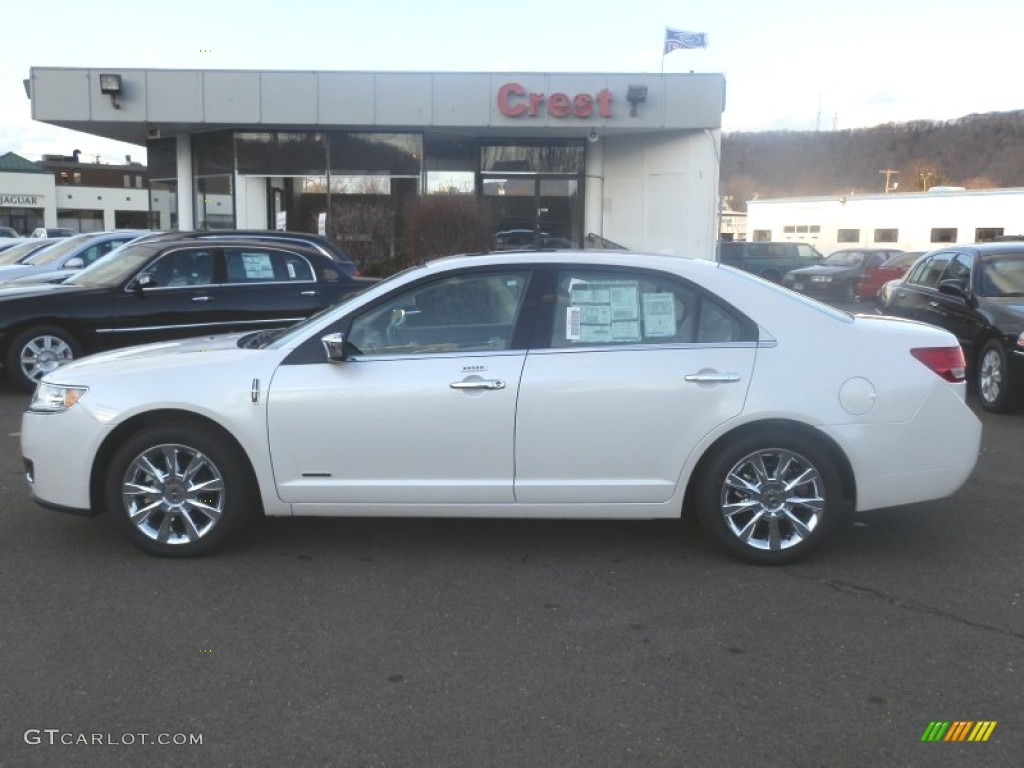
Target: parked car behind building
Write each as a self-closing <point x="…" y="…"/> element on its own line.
<point x="768" y="260"/>
<point x="871" y="282"/>
<point x="837" y="276"/>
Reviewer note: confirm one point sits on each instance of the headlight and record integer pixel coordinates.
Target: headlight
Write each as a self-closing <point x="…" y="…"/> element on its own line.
<point x="53" y="398"/>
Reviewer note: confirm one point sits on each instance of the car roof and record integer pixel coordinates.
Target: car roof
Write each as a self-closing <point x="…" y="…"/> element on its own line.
<point x="160" y="244"/>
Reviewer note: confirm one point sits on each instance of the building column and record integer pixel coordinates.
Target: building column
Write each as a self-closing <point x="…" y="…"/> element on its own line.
<point x="593" y="193"/>
<point x="186" y="195"/>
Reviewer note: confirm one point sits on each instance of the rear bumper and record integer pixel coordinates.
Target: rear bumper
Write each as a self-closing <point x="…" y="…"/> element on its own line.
<point x="928" y="457"/>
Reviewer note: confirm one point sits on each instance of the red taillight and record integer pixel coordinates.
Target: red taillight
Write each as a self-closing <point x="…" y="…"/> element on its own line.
<point x="948" y="362"/>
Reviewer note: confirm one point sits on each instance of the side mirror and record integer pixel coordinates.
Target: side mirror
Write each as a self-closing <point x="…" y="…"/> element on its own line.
<point x="76" y="263"/>
<point x="956" y="288"/>
<point x="144" y="281"/>
<point x="335" y="347"/>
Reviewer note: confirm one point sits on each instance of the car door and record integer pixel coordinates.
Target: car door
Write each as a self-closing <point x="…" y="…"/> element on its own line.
<point x="422" y="411"/>
<point x="629" y="373"/>
<point x="183" y="298"/>
<point x="956" y="312"/>
<point x="268" y="287"/>
<point x="910" y="297"/>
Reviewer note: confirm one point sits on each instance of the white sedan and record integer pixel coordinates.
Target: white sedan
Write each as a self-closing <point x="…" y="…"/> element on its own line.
<point x="547" y="385"/>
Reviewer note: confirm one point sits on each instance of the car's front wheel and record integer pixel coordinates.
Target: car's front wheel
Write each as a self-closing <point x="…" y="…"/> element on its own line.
<point x="769" y="498"/>
<point x="993" y="378"/>
<point x="37" y="351"/>
<point x="179" y="490"/>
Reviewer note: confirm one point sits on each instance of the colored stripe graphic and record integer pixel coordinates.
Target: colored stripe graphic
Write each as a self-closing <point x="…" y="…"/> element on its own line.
<point x="958" y="730"/>
<point x="982" y="730"/>
<point x="935" y="731"/>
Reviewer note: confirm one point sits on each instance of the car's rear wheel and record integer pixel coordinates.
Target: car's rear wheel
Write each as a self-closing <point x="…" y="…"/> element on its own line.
<point x="993" y="378"/>
<point x="179" y="490"/>
<point x="772" y="275"/>
<point x="37" y="351"/>
<point x="769" y="498"/>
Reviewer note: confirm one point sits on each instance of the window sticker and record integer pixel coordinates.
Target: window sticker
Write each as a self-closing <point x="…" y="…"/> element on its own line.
<point x="659" y="315"/>
<point x="291" y="270"/>
<point x="603" y="311"/>
<point x="258" y="266"/>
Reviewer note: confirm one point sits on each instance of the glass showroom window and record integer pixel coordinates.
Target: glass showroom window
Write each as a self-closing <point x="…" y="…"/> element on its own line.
<point x="215" y="203"/>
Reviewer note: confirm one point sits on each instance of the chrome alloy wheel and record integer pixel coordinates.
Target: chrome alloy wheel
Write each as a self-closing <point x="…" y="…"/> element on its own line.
<point x="990" y="376"/>
<point x="772" y="499"/>
<point x="42" y="354"/>
<point x="173" y="494"/>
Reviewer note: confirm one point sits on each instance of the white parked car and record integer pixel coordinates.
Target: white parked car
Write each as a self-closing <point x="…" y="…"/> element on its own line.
<point x="549" y="385"/>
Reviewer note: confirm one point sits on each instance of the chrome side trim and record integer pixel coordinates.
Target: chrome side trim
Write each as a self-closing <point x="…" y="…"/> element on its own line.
<point x="281" y="321"/>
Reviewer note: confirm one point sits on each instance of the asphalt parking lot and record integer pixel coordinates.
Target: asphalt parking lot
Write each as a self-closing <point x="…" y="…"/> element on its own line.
<point x="512" y="643"/>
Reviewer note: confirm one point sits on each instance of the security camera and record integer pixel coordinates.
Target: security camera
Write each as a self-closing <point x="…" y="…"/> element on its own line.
<point x="592" y="137"/>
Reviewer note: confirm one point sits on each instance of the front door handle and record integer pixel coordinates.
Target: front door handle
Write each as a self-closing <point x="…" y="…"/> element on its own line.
<point x="712" y="377"/>
<point x="309" y="293"/>
<point x="478" y="384"/>
<point x="202" y="298"/>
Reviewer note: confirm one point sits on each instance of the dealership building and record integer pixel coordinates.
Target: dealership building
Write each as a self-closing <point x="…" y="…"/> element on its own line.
<point x="631" y="158"/>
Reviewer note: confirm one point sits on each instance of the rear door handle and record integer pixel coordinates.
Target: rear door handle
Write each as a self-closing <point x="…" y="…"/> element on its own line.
<point x="309" y="293"/>
<point x="202" y="298"/>
<point x="712" y="377"/>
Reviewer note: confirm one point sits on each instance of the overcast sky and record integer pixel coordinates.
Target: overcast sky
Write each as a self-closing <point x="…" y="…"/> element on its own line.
<point x="789" y="64"/>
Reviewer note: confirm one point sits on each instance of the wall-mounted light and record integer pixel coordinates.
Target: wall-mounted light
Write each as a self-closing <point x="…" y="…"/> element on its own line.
<point x="635" y="94"/>
<point x="111" y="86"/>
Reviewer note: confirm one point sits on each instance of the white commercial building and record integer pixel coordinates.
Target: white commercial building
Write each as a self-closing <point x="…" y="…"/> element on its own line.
<point x="633" y="158"/>
<point x="918" y="221"/>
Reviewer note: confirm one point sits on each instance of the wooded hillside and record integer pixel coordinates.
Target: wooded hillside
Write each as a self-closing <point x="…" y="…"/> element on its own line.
<point x="977" y="152"/>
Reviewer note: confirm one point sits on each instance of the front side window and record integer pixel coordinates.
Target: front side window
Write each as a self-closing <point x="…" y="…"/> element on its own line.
<point x="187" y="267"/>
<point x="598" y="308"/>
<point x="458" y="313"/>
<point x="928" y="272"/>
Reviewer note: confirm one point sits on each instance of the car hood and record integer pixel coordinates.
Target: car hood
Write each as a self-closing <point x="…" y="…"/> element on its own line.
<point x="821" y="269"/>
<point x="198" y="344"/>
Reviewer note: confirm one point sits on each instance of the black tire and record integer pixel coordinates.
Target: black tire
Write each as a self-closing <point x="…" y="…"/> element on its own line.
<point x="765" y="502"/>
<point x="849" y="292"/>
<point x="37" y="351"/>
<point x="772" y="275"/>
<point x="196" y="486"/>
<point x="992" y="378"/>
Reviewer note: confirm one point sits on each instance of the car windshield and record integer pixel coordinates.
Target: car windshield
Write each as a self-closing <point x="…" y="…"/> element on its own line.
<point x="18" y="252"/>
<point x="844" y="259"/>
<point x="57" y="250"/>
<point x="113" y="268"/>
<point x="1003" y="275"/>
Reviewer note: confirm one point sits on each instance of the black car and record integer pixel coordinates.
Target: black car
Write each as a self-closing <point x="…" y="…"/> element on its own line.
<point x="837" y="276"/>
<point x="322" y="244"/>
<point x="163" y="290"/>
<point x="977" y="293"/>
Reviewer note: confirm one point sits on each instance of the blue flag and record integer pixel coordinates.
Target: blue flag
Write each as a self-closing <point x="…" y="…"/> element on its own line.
<point x="677" y="38"/>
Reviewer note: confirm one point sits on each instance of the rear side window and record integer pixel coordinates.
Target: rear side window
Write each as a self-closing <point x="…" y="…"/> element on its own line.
<point x="263" y="265"/>
<point x="623" y="308"/>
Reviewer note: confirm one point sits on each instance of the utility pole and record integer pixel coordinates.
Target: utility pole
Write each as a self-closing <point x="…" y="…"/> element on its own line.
<point x="889" y="173"/>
